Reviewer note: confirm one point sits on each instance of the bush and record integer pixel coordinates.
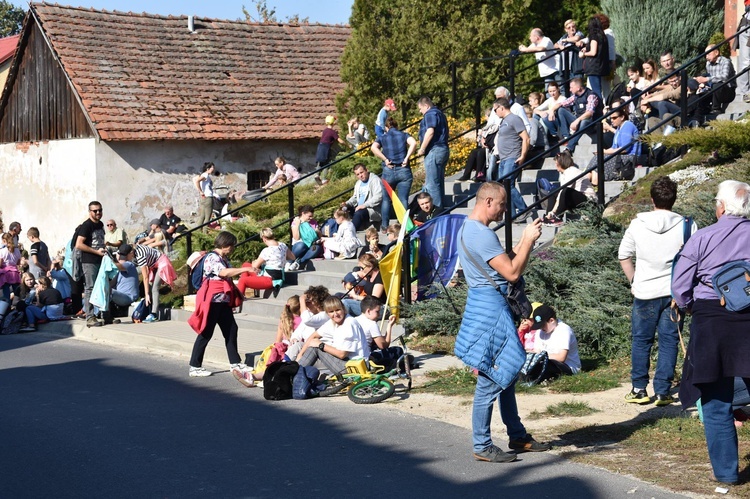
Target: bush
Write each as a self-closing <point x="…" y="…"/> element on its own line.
<point x="439" y="316"/>
<point x="728" y="139"/>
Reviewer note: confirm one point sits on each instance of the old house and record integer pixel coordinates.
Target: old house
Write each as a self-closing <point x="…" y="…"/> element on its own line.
<point x="125" y="108"/>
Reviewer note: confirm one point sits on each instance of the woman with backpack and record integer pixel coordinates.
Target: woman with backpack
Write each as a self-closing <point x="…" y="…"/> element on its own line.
<point x="214" y="302"/>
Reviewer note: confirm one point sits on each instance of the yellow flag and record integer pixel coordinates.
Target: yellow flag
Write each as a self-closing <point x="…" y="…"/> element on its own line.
<point x="390" y="270"/>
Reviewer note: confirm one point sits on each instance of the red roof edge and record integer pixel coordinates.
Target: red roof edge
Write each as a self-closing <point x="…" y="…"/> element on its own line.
<point x="8" y="47"/>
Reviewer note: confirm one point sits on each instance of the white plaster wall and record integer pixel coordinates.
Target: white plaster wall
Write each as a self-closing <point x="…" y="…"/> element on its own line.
<point x="136" y="180"/>
<point x="47" y="185"/>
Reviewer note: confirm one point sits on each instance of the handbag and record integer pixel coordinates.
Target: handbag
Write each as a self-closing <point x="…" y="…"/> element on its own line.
<point x="620" y="167"/>
<point x="518" y="302"/>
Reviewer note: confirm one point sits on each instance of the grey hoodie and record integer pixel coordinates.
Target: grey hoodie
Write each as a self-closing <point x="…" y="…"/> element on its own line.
<point x="653" y="238"/>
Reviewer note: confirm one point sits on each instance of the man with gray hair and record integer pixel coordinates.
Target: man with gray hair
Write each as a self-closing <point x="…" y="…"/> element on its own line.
<point x="541" y="46"/>
<point x="515" y="107"/>
<point x="719" y="346"/>
<point x="170" y="223"/>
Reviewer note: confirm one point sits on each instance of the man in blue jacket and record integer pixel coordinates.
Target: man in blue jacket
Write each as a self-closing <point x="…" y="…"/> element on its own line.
<point x="488" y="342"/>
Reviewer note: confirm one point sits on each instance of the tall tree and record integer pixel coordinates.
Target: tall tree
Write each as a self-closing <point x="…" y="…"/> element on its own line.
<point x="11" y="19"/>
<point x="646" y="28"/>
<point x="403" y="49"/>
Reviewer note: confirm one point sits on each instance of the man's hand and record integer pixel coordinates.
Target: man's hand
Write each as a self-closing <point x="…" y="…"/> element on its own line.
<point x="574" y="126"/>
<point x="360" y="207"/>
<point x="533" y="230"/>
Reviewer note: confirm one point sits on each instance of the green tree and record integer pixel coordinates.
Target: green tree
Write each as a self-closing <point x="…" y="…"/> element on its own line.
<point x="403" y="49"/>
<point x="266" y="14"/>
<point x="646" y="28"/>
<point x="11" y="19"/>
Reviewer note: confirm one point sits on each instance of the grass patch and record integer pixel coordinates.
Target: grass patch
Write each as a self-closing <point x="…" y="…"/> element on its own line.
<point x="434" y="344"/>
<point x="677" y="443"/>
<point x="563" y="409"/>
<point x="449" y="382"/>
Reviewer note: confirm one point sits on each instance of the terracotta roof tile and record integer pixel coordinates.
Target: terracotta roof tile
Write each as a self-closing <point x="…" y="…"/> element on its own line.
<point x="143" y="76"/>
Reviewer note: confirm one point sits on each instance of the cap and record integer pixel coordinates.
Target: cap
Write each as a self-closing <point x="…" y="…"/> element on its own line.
<point x="155" y="221"/>
<point x="390" y="104"/>
<point x="330" y="120"/>
<point x="350" y="278"/>
<point x="124" y="249"/>
<point x="541" y="315"/>
<point x="692" y="85"/>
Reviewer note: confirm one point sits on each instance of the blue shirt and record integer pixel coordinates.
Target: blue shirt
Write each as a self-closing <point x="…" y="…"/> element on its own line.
<point x="627" y="134"/>
<point x="483" y="244"/>
<point x="127" y="280"/>
<point x="435" y="119"/>
<point x="394" y="146"/>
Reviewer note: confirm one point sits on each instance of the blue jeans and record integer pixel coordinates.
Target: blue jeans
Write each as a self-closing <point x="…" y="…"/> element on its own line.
<point x="595" y="82"/>
<point x="434" y="168"/>
<point x="304" y="253"/>
<point x="564" y="119"/>
<point x="400" y="180"/>
<point x="664" y="107"/>
<point x="492" y="168"/>
<point x="517" y="203"/>
<point x="352" y="306"/>
<point x="485" y="394"/>
<point x="718" y="423"/>
<point x="648" y="317"/>
<point x="33" y="314"/>
<point x="121" y="299"/>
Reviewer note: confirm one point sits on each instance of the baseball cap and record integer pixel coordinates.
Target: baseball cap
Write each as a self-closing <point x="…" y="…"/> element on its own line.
<point x="390" y="104"/>
<point x="124" y="249"/>
<point x="155" y="221"/>
<point x="541" y="315"/>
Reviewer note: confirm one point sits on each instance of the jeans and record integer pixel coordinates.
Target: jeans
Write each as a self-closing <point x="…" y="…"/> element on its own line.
<point x="718" y="423"/>
<point x="595" y="82"/>
<point x="33" y="314"/>
<point x="517" y="203"/>
<point x="664" y="107"/>
<point x="121" y="299"/>
<point x="361" y="219"/>
<point x="485" y="394"/>
<point x="353" y="307"/>
<point x="492" y="168"/>
<point x="434" y="168"/>
<point x="743" y="61"/>
<point x="400" y="180"/>
<point x="90" y="271"/>
<point x="648" y="317"/>
<point x="305" y="253"/>
<point x="155" y="294"/>
<point x="564" y="119"/>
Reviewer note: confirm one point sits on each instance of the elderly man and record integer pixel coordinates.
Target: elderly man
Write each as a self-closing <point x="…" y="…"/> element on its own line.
<point x="574" y="113"/>
<point x="486" y="341"/>
<point x="512" y="144"/>
<point x="719" y="346"/>
<point x="653" y="239"/>
<point x="170" y="223"/>
<point x="114" y="237"/>
<point x="433" y="137"/>
<point x="515" y="107"/>
<point x="720" y="70"/>
<point x="541" y="46"/>
<point x="367" y="198"/>
<point x="395" y="148"/>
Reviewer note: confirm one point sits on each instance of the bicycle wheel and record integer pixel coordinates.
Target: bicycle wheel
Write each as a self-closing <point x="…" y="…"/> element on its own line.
<point x="334" y="386"/>
<point x="371" y="391"/>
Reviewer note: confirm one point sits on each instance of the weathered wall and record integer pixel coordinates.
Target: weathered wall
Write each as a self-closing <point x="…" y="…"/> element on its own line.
<point x="135" y="180"/>
<point x="47" y="185"/>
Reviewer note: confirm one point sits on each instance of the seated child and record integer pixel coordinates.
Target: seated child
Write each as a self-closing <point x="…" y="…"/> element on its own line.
<point x="60" y="280"/>
<point x="47" y="307"/>
<point x="344" y="243"/>
<point x="382" y="353"/>
<point x="558" y="340"/>
<point x="372" y="245"/>
<point x="24" y="293"/>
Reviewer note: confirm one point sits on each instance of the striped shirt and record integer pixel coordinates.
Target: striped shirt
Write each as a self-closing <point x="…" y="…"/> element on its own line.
<point x="146" y="256"/>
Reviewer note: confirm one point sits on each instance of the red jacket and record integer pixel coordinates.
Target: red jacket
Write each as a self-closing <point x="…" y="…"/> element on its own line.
<point x="209" y="288"/>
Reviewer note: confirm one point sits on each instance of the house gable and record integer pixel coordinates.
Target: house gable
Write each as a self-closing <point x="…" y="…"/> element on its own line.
<point x="39" y="103"/>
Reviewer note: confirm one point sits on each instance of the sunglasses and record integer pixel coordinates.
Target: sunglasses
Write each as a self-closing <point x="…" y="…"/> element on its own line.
<point x="96" y="211"/>
<point x="110" y="225"/>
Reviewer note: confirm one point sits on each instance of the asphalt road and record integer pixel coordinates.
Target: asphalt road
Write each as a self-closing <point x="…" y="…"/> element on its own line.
<point x="84" y="420"/>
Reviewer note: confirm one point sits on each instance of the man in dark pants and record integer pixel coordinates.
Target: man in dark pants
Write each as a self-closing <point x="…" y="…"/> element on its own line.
<point x="90" y="242"/>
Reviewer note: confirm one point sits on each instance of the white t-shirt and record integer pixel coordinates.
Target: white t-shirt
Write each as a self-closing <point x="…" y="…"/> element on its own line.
<point x="370" y="327"/>
<point x="274" y="256"/>
<point x="549" y="66"/>
<point x="562" y="338"/>
<point x="309" y="324"/>
<point x="348" y="337"/>
<point x="207" y="185"/>
<point x="582" y="185"/>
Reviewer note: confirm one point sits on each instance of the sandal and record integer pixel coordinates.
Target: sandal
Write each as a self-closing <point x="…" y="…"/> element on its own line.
<point x="245" y="378"/>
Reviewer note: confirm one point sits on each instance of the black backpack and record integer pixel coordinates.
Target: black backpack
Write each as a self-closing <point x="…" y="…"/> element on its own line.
<point x="12" y="322"/>
<point x="277" y="380"/>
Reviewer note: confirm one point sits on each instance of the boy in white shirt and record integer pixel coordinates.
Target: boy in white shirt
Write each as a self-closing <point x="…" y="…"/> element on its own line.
<point x="558" y="340"/>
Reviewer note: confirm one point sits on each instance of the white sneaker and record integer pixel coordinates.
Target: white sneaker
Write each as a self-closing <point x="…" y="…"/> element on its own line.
<point x="294" y="266"/>
<point x="241" y="366"/>
<point x="199" y="372"/>
<point x="287" y="267"/>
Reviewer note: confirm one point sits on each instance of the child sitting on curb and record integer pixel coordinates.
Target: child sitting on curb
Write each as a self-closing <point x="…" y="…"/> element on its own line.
<point x="558" y="340"/>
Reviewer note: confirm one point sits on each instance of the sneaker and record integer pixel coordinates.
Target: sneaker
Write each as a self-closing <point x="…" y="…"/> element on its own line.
<point x="294" y="266"/>
<point x="244" y="377"/>
<point x="80" y="315"/>
<point x="241" y="366"/>
<point x="27" y="329"/>
<point x="116" y="321"/>
<point x="151" y="318"/>
<point x="528" y="444"/>
<point x="494" y="454"/>
<point x="93" y="322"/>
<point x="662" y="400"/>
<point x="638" y="397"/>
<point x="552" y="220"/>
<point x="199" y="372"/>
<point x="746" y="98"/>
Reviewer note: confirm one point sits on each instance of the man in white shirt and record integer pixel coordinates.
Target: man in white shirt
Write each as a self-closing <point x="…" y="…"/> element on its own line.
<point x="542" y="47"/>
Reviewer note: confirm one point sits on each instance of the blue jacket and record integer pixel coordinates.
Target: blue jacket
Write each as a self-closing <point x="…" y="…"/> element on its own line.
<point x="487" y="339"/>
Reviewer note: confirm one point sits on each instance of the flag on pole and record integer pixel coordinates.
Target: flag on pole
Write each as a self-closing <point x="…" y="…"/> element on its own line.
<point x="390" y="265"/>
<point x="398" y="208"/>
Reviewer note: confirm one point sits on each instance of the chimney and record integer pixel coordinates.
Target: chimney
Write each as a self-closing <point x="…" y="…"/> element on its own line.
<point x="191" y="24"/>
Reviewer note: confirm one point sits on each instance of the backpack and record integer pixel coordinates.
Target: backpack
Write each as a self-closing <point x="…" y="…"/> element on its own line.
<point x="12" y="322"/>
<point x="277" y="380"/>
<point x="141" y="312"/>
<point x="305" y="384"/>
<point x="196" y="275"/>
<point x="262" y="362"/>
<point x="732" y="283"/>
<point x="534" y="367"/>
